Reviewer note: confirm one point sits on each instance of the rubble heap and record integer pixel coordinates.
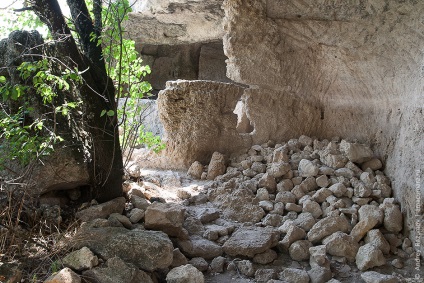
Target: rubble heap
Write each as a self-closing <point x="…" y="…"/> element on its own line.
<point x="302" y="211"/>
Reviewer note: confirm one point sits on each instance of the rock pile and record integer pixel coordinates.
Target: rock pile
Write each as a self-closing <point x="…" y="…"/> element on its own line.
<point x="302" y="211"/>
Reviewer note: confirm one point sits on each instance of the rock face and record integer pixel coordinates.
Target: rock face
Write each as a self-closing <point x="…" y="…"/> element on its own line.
<point x="283" y="54"/>
<point x="292" y="55"/>
<point x="148" y="250"/>
<point x="181" y="110"/>
<point x="175" y="22"/>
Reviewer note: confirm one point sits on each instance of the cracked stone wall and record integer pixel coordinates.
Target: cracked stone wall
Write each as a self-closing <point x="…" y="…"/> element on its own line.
<point x="354" y="68"/>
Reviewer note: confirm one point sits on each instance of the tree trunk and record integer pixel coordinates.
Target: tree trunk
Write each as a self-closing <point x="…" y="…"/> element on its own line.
<point x="103" y="152"/>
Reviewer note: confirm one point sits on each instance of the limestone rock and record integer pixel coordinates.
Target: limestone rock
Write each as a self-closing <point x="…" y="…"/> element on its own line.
<point x="102" y="210"/>
<point x="217" y="264"/>
<point x="80" y="259"/>
<point x="341" y="244"/>
<point x="373" y="164"/>
<point x="139" y="202"/>
<point x="339" y="190"/>
<point x="294" y="233"/>
<point x="267" y="205"/>
<point x="307" y="168"/>
<point x="376" y="238"/>
<point x="136" y="215"/>
<point x="194" y="226"/>
<point x="393" y="220"/>
<point x="322" y="181"/>
<point x="319" y="274"/>
<point x="148" y="250"/>
<point x="61" y="171"/>
<point x="117" y="271"/>
<point x="280" y="154"/>
<point x="321" y="195"/>
<point x="134" y="170"/>
<point x="361" y="228"/>
<point x="375" y="277"/>
<point x="312" y="207"/>
<point x="318" y="256"/>
<point x="263" y="275"/>
<point x="361" y="190"/>
<point x="213" y="232"/>
<point x="279" y="169"/>
<point x="119" y="220"/>
<point x="181" y="106"/>
<point x="200" y="263"/>
<point x="249" y="241"/>
<point x="344" y="172"/>
<point x="216" y="166"/>
<point x="369" y="216"/>
<point x="205" y="213"/>
<point x="268" y="181"/>
<point x="178" y="258"/>
<point x="285" y="197"/>
<point x="357" y="153"/>
<point x="305" y="220"/>
<point x="273" y="220"/>
<point x="65" y="275"/>
<point x="185" y="274"/>
<point x="175" y="23"/>
<point x="305" y="140"/>
<point x="237" y="204"/>
<point x="199" y="247"/>
<point x="293" y="275"/>
<point x="369" y="256"/>
<point x="299" y="250"/>
<point x="265" y="257"/>
<point x="371" y="211"/>
<point x="166" y="217"/>
<point x="326" y="227"/>
<point x="332" y="160"/>
<point x="245" y="267"/>
<point x="195" y="170"/>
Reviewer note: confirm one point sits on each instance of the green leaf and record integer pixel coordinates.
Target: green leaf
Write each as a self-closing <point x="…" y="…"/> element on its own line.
<point x="110" y="113"/>
<point x="103" y="113"/>
<point x="2" y="79"/>
<point x="39" y="125"/>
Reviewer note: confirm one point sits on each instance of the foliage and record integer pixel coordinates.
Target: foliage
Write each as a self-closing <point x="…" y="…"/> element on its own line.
<point x="27" y="141"/>
<point x="127" y="71"/>
<point x="30" y="135"/>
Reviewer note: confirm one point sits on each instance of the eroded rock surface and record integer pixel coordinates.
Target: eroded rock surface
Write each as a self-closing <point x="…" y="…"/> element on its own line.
<point x="185" y="118"/>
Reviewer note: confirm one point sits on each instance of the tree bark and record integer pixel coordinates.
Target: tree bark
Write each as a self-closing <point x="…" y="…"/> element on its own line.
<point x="97" y="93"/>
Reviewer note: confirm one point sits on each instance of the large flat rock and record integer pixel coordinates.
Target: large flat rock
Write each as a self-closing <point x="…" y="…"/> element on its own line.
<point x="148" y="250"/>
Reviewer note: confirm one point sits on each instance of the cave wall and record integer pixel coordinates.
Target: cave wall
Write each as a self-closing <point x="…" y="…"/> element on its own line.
<point x="352" y="69"/>
<point x="189" y="61"/>
<point x="347" y="68"/>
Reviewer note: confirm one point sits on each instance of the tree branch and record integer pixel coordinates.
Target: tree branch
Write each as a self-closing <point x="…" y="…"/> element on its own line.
<point x="85" y="28"/>
<point x="23" y="9"/>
